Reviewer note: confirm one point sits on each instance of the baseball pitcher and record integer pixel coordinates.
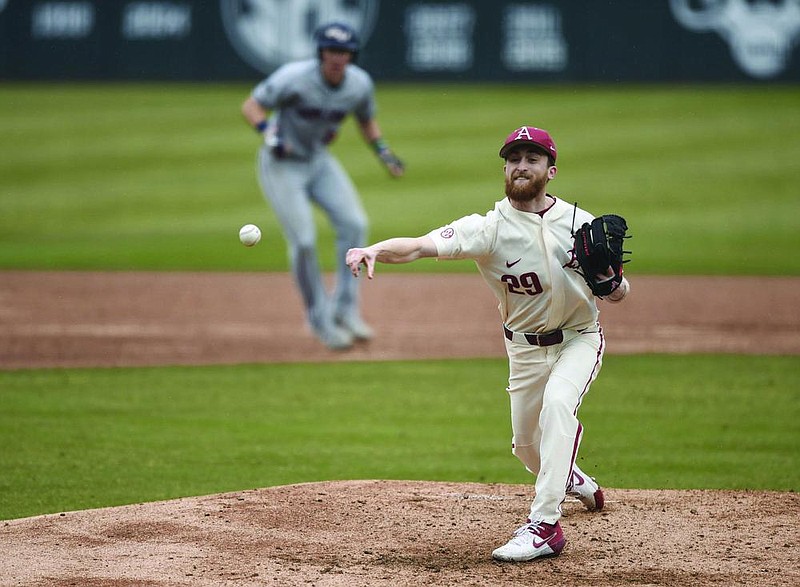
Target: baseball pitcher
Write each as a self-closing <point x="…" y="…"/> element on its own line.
<point x="298" y="111"/>
<point x="547" y="262"/>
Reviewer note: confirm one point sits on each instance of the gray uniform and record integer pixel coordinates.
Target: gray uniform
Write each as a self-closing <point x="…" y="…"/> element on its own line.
<point x="296" y="171"/>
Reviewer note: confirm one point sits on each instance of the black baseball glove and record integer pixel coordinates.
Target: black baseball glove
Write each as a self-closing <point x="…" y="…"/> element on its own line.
<point x="598" y="247"/>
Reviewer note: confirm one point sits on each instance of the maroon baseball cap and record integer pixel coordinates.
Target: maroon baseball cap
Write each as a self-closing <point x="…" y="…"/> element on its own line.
<point x="530" y="135"/>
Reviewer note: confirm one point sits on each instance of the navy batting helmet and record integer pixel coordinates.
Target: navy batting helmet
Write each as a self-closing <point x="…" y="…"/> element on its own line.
<point x="337" y="35"/>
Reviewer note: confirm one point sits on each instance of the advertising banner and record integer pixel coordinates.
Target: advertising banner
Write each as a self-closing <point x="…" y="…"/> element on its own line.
<point x="410" y="40"/>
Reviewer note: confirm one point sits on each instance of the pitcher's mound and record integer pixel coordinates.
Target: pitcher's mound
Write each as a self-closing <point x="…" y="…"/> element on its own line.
<point x="407" y="533"/>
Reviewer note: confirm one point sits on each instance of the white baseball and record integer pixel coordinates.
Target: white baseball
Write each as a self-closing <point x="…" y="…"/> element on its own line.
<point x="249" y="234"/>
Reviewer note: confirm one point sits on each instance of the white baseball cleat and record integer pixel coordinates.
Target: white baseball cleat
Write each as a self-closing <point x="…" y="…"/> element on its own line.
<point x="356" y="326"/>
<point x="533" y="540"/>
<point x="587" y="491"/>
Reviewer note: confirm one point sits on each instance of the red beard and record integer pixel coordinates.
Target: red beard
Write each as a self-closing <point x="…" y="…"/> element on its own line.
<point x="525" y="192"/>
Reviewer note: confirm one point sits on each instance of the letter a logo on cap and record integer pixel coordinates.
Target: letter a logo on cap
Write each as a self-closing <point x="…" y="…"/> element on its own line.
<point x="523" y="134"/>
<point x="529" y="134"/>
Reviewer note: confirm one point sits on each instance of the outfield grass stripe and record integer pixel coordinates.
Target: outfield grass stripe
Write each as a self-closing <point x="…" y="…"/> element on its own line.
<point x="173" y="171"/>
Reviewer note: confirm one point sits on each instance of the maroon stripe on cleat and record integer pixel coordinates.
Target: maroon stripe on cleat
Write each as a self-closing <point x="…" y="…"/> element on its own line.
<point x="599" y="500"/>
<point x="558" y="546"/>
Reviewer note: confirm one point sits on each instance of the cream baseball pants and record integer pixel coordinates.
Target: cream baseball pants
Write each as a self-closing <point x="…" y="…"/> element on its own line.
<point x="546" y="386"/>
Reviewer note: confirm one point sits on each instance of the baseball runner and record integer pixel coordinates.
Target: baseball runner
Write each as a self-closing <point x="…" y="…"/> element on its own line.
<point x="298" y="110"/>
<point x="546" y="261"/>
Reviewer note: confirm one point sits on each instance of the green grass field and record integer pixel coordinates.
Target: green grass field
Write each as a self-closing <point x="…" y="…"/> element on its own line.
<point x="162" y="176"/>
<point x="124" y="177"/>
<point x="81" y="438"/>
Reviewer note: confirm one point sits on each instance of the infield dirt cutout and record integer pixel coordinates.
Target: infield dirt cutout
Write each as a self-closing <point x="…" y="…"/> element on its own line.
<point x="384" y="532"/>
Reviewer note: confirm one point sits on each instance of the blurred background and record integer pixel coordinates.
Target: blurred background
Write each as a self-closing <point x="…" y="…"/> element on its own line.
<point x="410" y="40"/>
<point x="123" y="146"/>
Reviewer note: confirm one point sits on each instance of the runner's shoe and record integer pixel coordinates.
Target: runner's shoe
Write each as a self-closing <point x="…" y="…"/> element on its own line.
<point x="356" y="326"/>
<point x="533" y="540"/>
<point x="335" y="338"/>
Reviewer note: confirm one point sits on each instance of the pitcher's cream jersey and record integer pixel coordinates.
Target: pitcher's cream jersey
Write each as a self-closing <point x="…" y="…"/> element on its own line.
<point x="528" y="262"/>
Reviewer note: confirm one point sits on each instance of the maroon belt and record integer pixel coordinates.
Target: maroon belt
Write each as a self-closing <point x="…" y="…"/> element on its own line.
<point x="549" y="339"/>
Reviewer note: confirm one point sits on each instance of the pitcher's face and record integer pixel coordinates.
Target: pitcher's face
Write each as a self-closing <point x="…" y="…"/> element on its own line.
<point x="527" y="172"/>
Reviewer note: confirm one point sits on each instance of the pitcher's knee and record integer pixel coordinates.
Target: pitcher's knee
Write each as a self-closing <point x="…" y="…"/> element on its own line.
<point x="557" y="407"/>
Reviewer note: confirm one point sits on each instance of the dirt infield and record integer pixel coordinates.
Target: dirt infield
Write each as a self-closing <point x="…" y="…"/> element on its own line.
<point x="361" y="533"/>
<point x="121" y="319"/>
<point x="367" y="533"/>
